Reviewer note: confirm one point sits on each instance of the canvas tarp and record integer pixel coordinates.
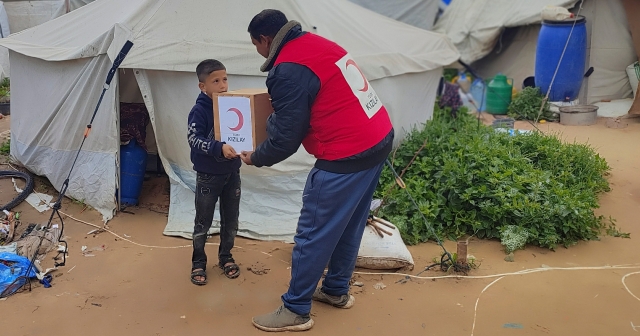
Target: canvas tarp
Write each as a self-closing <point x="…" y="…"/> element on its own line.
<point x="404" y="64"/>
<point x="50" y="108"/>
<point x="474" y="26"/>
<point x="418" y="13"/>
<point x="383" y="47"/>
<point x="632" y="8"/>
<point x="23" y="14"/>
<point x="512" y="51"/>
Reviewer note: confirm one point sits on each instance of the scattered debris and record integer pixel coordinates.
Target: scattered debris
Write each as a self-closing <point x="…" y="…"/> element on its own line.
<point x="28" y="230"/>
<point x="358" y="283"/>
<point x="96" y="304"/>
<point x="183" y="317"/>
<point x="510" y="257"/>
<point x="616" y="123"/>
<point x="87" y="252"/>
<point x="11" y="248"/>
<point x="40" y="202"/>
<point x="71" y="269"/>
<point x="95" y="232"/>
<point x="380" y="285"/>
<point x="513" y="326"/>
<point x="258" y="268"/>
<point x="404" y="280"/>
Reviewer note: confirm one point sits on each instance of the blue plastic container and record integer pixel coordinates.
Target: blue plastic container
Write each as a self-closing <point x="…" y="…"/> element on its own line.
<point x="133" y="164"/>
<point x="478" y="92"/>
<point x="551" y="41"/>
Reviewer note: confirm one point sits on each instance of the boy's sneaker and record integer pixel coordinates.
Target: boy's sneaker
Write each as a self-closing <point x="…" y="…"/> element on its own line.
<point x="343" y="301"/>
<point x="283" y="320"/>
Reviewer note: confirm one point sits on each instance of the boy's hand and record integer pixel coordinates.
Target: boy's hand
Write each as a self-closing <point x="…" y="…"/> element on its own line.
<point x="228" y="152"/>
<point x="246" y="157"/>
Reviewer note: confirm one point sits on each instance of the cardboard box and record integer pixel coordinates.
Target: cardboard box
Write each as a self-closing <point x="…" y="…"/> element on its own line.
<point x="240" y="118"/>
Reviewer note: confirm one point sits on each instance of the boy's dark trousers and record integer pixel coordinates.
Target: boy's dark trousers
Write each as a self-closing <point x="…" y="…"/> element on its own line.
<point x="208" y="189"/>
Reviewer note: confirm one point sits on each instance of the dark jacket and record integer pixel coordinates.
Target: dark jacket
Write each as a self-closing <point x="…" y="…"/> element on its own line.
<point x="293" y="89"/>
<point x="206" y="152"/>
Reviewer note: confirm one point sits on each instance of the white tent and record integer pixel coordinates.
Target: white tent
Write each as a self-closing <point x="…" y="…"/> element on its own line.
<point x="418" y="13"/>
<point x="501" y="36"/>
<point x="24" y="14"/>
<point x="60" y="66"/>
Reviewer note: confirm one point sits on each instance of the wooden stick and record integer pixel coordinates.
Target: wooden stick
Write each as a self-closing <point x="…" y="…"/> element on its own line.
<point x="385" y="231"/>
<point x="462" y="252"/>
<point x="377" y="230"/>
<point x="384" y="222"/>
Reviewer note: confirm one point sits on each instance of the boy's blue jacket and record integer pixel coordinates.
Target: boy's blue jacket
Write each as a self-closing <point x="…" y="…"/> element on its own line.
<point x="206" y="151"/>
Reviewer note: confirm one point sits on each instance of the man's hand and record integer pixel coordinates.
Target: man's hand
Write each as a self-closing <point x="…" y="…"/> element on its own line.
<point x="228" y="152"/>
<point x="246" y="157"/>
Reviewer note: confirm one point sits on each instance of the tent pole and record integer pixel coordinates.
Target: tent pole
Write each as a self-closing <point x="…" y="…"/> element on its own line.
<point x="584" y="91"/>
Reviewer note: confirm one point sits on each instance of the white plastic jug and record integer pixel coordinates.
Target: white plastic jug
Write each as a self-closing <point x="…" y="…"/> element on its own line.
<point x="464" y="83"/>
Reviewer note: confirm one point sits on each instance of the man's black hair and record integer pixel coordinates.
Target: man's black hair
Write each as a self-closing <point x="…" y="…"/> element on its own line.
<point x="267" y="23"/>
<point x="206" y="67"/>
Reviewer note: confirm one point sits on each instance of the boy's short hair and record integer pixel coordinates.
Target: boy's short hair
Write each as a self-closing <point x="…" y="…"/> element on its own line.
<point x="267" y="23"/>
<point x="206" y="67"/>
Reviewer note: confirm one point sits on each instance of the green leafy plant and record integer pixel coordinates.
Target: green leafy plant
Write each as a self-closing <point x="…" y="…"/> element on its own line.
<point x="5" y="90"/>
<point x="513" y="237"/>
<point x="5" y="148"/>
<point x="471" y="262"/>
<point x="468" y="179"/>
<point x="449" y="74"/>
<point x="526" y="105"/>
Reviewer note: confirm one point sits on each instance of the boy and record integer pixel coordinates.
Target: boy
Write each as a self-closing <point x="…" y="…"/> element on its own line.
<point x="218" y="168"/>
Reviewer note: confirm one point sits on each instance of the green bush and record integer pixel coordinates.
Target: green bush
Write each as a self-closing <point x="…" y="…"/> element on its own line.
<point x="470" y="180"/>
<point x="526" y="106"/>
<point x="5" y="148"/>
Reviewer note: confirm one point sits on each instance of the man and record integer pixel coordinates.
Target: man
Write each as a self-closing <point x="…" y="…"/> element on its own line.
<point x="321" y="100"/>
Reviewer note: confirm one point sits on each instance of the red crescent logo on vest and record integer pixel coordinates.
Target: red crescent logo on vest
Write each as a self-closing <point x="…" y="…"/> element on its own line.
<point x="240" y="119"/>
<point x="365" y="88"/>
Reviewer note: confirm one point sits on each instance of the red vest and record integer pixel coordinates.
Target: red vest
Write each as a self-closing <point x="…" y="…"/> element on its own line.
<point x="347" y="116"/>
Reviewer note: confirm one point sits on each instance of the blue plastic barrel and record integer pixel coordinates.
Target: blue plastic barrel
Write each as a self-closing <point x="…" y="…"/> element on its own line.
<point x="551" y="41"/>
<point x="133" y="164"/>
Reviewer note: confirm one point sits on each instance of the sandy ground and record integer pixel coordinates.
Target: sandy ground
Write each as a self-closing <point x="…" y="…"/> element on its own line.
<point x="143" y="288"/>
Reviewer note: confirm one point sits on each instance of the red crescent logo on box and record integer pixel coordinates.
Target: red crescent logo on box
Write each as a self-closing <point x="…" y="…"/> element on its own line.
<point x="365" y="88"/>
<point x="240" y="119"/>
